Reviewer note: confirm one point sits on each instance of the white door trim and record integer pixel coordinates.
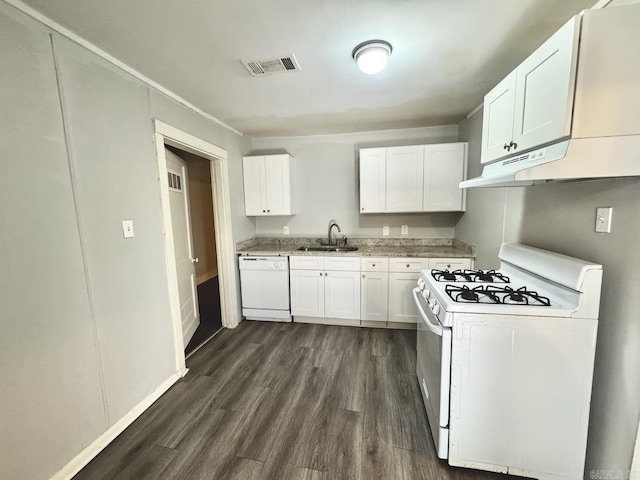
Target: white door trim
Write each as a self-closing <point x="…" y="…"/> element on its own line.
<point x="167" y="135"/>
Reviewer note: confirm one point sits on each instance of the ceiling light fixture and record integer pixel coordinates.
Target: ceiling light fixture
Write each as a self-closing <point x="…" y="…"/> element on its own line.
<point x="372" y="55"/>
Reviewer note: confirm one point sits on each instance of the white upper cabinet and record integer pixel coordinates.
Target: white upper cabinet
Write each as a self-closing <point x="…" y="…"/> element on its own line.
<point x="544" y="90"/>
<point x="445" y="166"/>
<point x="373" y="167"/>
<point x="532" y="106"/>
<point x="497" y="119"/>
<point x="268" y="185"/>
<point x="416" y="178"/>
<point x="405" y="166"/>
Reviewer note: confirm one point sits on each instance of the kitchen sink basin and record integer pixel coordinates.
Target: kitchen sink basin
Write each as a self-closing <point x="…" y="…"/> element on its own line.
<point x="327" y="248"/>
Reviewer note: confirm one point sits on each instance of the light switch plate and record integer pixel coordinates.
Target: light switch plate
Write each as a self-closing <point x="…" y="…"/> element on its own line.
<point x="385" y="230"/>
<point x="405" y="230"/>
<point x="127" y="228"/>
<point x="285" y="230"/>
<point x="603" y="219"/>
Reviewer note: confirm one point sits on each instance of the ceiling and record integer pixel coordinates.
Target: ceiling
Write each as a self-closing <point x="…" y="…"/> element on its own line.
<point x="446" y="55"/>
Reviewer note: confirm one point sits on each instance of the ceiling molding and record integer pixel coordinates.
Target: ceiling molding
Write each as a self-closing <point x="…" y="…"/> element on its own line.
<point x="65" y="32"/>
<point x="475" y="110"/>
<point x="601" y="4"/>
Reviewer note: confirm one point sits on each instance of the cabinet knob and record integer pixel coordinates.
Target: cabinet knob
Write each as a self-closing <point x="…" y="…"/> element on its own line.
<point x="263" y="211"/>
<point x="448" y="265"/>
<point x="268" y="211"/>
<point x="363" y="275"/>
<point x="326" y="274"/>
<point x="373" y="264"/>
<point x="363" y="209"/>
<point x="407" y="265"/>
<point x="320" y="273"/>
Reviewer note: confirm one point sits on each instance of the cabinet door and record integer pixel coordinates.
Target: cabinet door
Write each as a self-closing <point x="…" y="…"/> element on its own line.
<point x="544" y="90"/>
<point x="401" y="304"/>
<point x="307" y="293"/>
<point x="405" y="167"/>
<point x="277" y="184"/>
<point x="450" y="263"/>
<point x="342" y="295"/>
<point x="374" y="298"/>
<point x="444" y="169"/>
<point x="254" y="181"/>
<point x="497" y="119"/>
<point x="372" y="180"/>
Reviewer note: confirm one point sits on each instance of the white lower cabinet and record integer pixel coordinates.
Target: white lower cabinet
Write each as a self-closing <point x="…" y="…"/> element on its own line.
<point x="316" y="292"/>
<point x="307" y="293"/>
<point x="342" y="295"/>
<point x="371" y="289"/>
<point x="450" y="263"/>
<point x="374" y="297"/>
<point x="404" y="273"/>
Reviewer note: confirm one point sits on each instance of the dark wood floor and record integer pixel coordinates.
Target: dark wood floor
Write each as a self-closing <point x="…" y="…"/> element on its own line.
<point x="286" y="401"/>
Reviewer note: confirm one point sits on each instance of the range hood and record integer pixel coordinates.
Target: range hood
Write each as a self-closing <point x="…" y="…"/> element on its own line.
<point x="602" y="137"/>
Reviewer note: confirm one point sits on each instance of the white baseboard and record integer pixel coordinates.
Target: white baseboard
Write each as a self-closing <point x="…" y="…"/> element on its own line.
<point x="354" y="323"/>
<point x="84" y="457"/>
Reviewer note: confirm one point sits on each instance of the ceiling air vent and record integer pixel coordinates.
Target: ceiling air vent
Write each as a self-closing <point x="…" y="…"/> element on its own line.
<point x="269" y="67"/>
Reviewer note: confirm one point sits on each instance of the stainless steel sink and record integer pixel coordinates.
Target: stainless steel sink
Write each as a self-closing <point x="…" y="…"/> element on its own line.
<point x="327" y="248"/>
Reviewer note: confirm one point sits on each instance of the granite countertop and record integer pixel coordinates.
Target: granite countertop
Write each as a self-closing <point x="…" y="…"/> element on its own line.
<point x="367" y="247"/>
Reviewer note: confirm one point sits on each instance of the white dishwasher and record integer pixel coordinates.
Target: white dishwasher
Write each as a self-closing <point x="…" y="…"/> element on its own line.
<point x="264" y="283"/>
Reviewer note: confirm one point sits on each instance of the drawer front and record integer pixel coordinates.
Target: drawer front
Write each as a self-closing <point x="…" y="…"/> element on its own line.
<point x="375" y="264"/>
<point x="306" y="263"/>
<point x="449" y="263"/>
<point x="348" y="264"/>
<point x="401" y="265"/>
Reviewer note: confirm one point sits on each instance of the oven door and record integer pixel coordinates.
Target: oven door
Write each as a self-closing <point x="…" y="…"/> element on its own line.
<point x="433" y="369"/>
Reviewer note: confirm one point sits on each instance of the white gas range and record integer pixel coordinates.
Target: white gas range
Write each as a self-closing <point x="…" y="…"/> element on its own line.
<point x="505" y="362"/>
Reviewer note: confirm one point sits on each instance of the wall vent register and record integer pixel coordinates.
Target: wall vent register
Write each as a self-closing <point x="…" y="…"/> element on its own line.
<point x="175" y="181"/>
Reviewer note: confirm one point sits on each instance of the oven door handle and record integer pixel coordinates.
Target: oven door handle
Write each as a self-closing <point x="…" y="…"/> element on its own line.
<point x="437" y="329"/>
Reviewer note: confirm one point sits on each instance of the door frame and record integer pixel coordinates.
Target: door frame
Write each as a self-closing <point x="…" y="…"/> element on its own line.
<point x="166" y="134"/>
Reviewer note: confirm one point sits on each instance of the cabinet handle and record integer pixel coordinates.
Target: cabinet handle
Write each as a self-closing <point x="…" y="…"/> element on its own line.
<point x="363" y="275"/>
<point x="514" y="145"/>
<point x="507" y="147"/>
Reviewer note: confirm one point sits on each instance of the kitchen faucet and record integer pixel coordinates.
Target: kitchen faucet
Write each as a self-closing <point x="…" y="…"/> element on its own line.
<point x="332" y="224"/>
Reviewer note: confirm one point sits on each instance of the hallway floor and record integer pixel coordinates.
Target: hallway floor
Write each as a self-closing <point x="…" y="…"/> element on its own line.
<point x="287" y="401"/>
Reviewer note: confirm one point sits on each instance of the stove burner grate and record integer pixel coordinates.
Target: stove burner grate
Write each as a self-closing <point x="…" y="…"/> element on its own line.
<point x="492" y="294"/>
<point x="469" y="276"/>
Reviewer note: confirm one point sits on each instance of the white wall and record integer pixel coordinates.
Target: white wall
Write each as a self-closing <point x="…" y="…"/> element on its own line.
<point x="560" y="217"/>
<point x="327" y="185"/>
<point x="84" y="313"/>
<point x="493" y="214"/>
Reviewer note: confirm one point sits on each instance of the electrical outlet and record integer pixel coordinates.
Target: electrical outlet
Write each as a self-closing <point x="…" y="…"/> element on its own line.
<point x="603" y="219"/>
<point x="127" y="228"/>
<point x="385" y="230"/>
<point x="285" y="229"/>
<point x="405" y="230"/>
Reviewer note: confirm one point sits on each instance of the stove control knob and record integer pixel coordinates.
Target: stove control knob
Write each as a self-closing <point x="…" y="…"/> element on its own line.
<point x="432" y="303"/>
<point x="427" y="292"/>
<point x="436" y="309"/>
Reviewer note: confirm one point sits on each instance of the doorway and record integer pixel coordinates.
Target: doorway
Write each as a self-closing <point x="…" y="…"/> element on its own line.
<point x="169" y="136"/>
<point x="195" y="247"/>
